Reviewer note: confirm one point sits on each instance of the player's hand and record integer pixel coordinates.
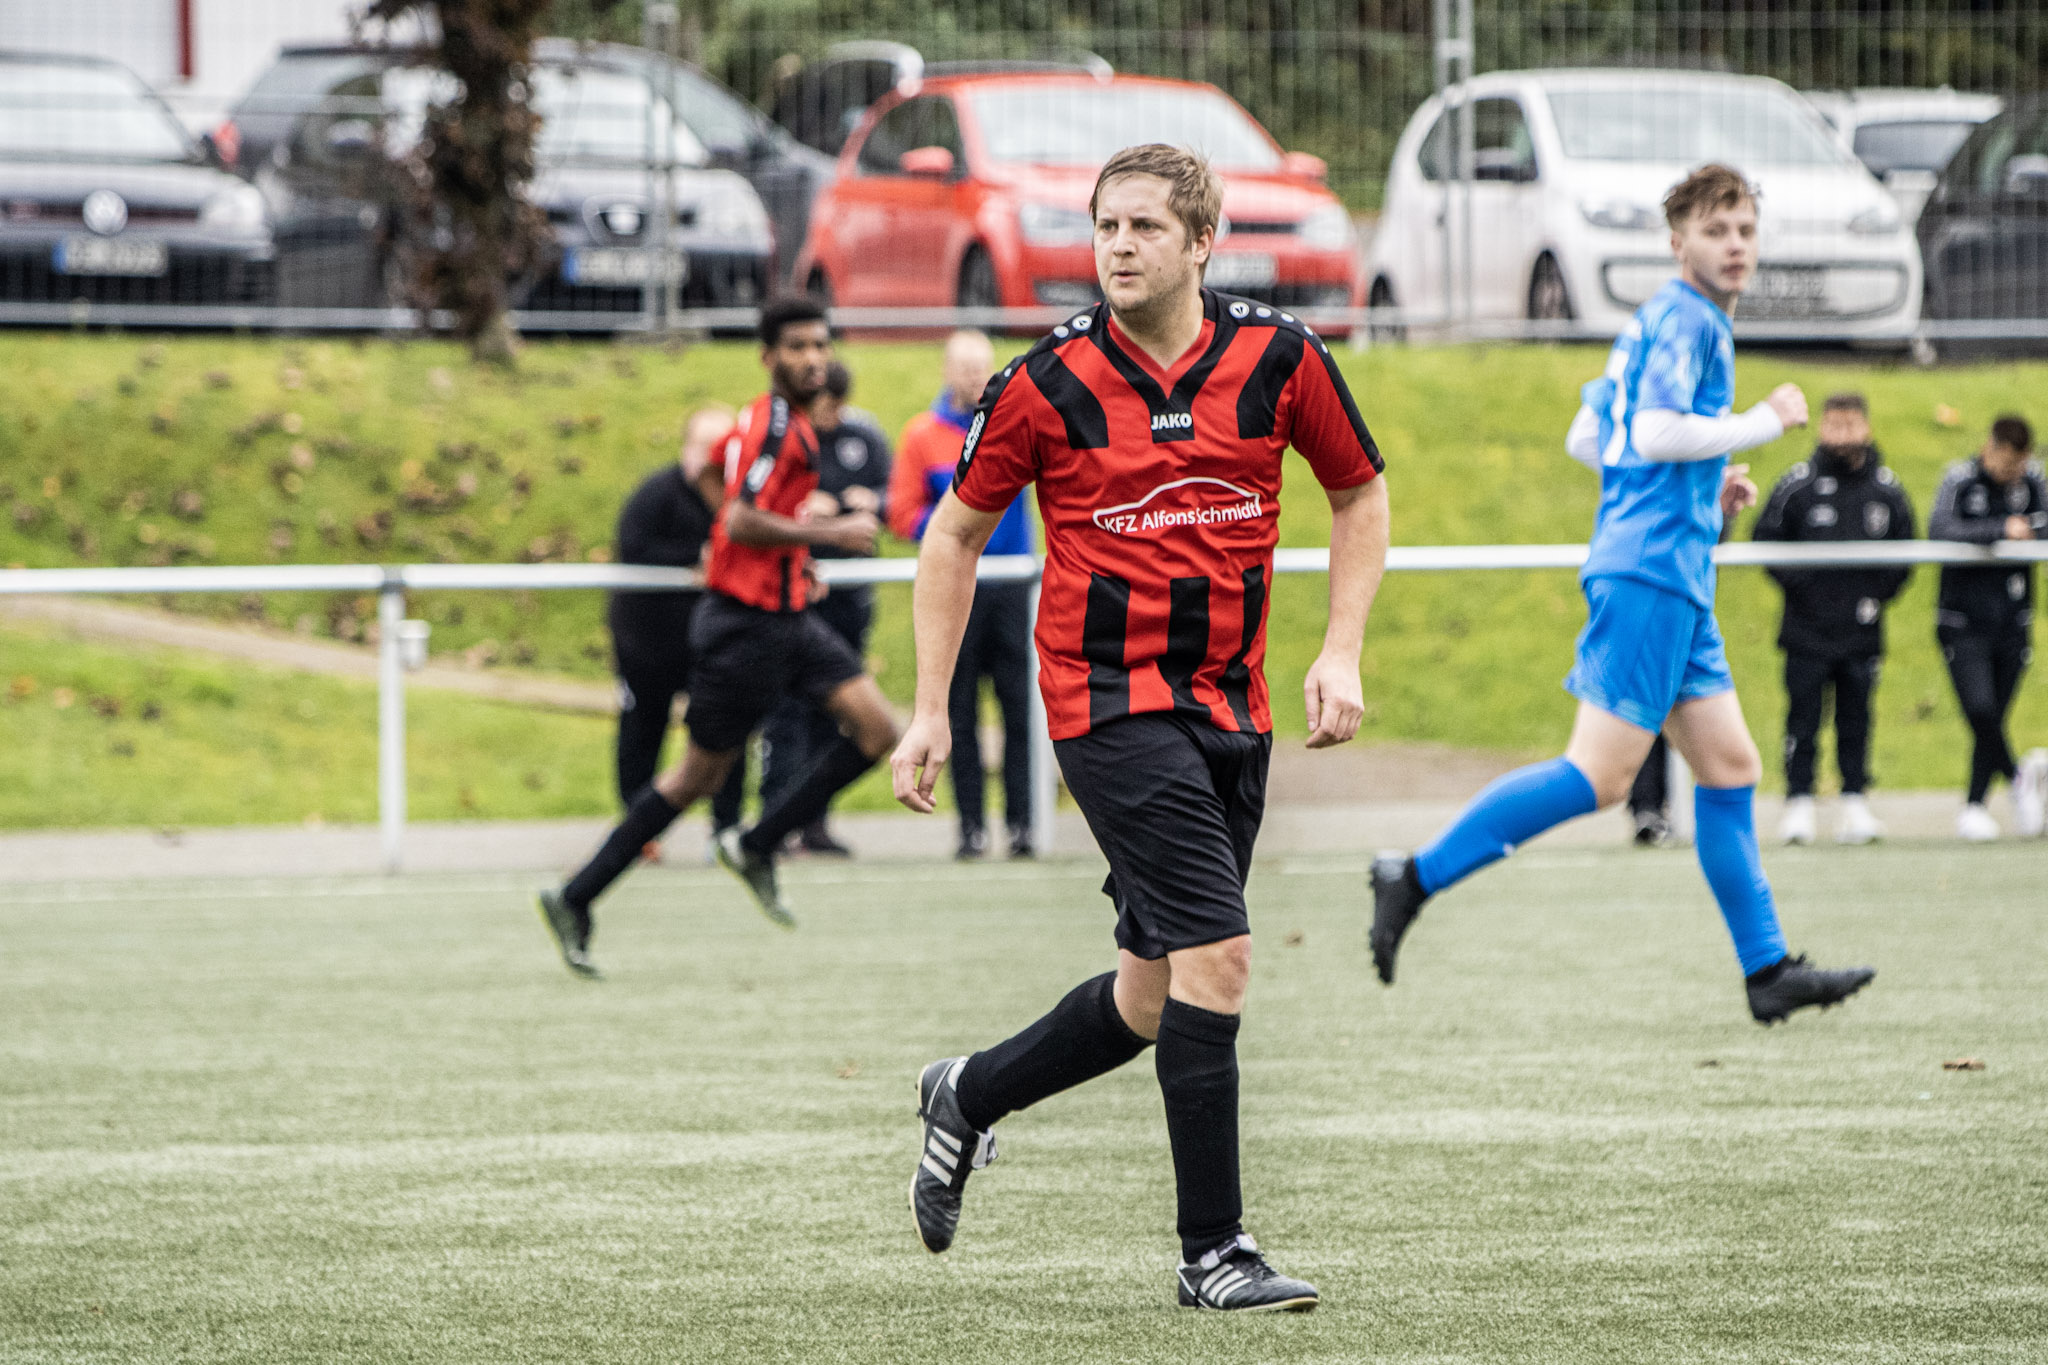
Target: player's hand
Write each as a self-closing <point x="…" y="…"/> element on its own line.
<point x="1738" y="490"/>
<point x="821" y="504"/>
<point x="861" y="498"/>
<point x="919" y="759"/>
<point x="1790" y="404"/>
<point x="855" y="532"/>
<point x="2018" y="528"/>
<point x="1335" y="700"/>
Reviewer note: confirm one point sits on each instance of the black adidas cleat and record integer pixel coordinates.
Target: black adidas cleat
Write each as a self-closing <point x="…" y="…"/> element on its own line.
<point x="1235" y="1278"/>
<point x="1795" y="983"/>
<point x="952" y="1151"/>
<point x="757" y="874"/>
<point x="1397" y="898"/>
<point x="571" y="929"/>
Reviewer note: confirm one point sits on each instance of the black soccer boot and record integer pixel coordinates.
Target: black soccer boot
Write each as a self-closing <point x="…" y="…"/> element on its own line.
<point x="815" y="839"/>
<point x="757" y="874"/>
<point x="1397" y="898"/>
<point x="1794" y="983"/>
<point x="952" y="1151"/>
<point x="1235" y="1278"/>
<point x="571" y="928"/>
<point x="1021" y="845"/>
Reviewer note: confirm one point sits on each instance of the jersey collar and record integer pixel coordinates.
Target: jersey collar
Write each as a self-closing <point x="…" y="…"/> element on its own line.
<point x="1171" y="406"/>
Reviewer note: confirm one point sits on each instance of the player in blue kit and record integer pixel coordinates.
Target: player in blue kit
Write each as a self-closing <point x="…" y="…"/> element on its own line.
<point x="1658" y="428"/>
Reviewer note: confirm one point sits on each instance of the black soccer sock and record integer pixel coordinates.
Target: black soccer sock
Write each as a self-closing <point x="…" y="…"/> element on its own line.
<point x="1197" y="1061"/>
<point x="808" y="799"/>
<point x="1084" y="1036"/>
<point x="647" y="816"/>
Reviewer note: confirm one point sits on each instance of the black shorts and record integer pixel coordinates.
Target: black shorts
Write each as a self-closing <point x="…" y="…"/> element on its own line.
<point x="1175" y="804"/>
<point x="747" y="659"/>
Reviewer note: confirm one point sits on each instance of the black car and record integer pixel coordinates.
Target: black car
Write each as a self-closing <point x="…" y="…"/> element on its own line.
<point x="105" y="199"/>
<point x="321" y="132"/>
<point x="1984" y="231"/>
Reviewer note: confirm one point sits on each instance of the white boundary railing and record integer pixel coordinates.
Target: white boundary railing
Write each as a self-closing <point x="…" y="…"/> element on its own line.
<point x="392" y="582"/>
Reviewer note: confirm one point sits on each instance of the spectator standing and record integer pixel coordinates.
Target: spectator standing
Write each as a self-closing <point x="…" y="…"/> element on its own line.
<point x="1832" y="631"/>
<point x="998" y="638"/>
<point x="666" y="522"/>
<point x="853" y="476"/>
<point x="1984" y="619"/>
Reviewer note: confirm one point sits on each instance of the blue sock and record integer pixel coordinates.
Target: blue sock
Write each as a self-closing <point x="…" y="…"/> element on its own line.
<point x="1512" y="810"/>
<point x="1725" y="820"/>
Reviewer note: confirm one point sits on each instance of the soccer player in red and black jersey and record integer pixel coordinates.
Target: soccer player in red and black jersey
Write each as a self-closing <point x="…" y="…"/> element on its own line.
<point x="1153" y="426"/>
<point x="754" y="642"/>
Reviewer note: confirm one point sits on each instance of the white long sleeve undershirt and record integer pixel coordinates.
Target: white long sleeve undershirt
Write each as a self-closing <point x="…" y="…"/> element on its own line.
<point x="1667" y="436"/>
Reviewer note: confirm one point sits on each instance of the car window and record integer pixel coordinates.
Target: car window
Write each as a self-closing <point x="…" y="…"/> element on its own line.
<point x="1060" y="124"/>
<point x="1743" y="125"/>
<point x="1500" y="138"/>
<point x="60" y="110"/>
<point x="1435" y="154"/>
<point x="1924" y="145"/>
<point x="2004" y="142"/>
<point x="717" y="117"/>
<point x="592" y="114"/>
<point x="890" y="138"/>
<point x="349" y="114"/>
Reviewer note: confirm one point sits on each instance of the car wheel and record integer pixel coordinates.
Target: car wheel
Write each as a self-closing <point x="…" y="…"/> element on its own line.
<point x="1549" y="299"/>
<point x="978" y="287"/>
<point x="1381" y="295"/>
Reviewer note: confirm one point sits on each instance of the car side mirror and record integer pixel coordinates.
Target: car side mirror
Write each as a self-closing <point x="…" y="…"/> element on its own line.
<point x="927" y="163"/>
<point x="2026" y="177"/>
<point x="1304" y="166"/>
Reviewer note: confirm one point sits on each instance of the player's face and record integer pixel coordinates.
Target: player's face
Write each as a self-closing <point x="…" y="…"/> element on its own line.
<point x="2002" y="462"/>
<point x="1143" y="254"/>
<point x="1844" y="427"/>
<point x="1716" y="248"/>
<point x="798" y="359"/>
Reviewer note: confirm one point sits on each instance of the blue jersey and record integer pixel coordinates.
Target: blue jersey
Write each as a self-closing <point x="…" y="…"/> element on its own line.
<point x="1659" y="520"/>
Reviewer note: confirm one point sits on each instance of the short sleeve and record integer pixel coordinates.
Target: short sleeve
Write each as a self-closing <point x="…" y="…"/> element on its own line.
<point x="999" y="456"/>
<point x="1673" y="366"/>
<point x="1324" y="425"/>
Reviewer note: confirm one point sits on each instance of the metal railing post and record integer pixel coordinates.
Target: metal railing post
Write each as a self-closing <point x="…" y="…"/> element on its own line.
<point x="391" y="719"/>
<point x="1678" y="795"/>
<point x="1045" y="790"/>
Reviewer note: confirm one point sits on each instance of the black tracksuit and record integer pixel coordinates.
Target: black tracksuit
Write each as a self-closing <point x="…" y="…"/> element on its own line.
<point x="853" y="454"/>
<point x="1984" y="618"/>
<point x="665" y="522"/>
<point x="1832" y="630"/>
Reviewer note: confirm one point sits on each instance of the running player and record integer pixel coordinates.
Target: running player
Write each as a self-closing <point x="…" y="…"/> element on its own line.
<point x="1154" y="427"/>
<point x="1657" y="427"/>
<point x="754" y="642"/>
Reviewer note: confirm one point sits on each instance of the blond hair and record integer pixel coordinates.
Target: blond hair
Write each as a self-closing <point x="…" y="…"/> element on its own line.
<point x="1193" y="191"/>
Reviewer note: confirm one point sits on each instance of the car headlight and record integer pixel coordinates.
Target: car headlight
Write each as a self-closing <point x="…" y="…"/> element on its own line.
<point x="735" y="217"/>
<point x="1327" y="229"/>
<point x="1051" y="225"/>
<point x="1621" y="215"/>
<point x="237" y="209"/>
<point x="1876" y="221"/>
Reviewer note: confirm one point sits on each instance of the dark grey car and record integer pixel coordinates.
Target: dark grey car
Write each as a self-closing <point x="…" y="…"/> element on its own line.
<point x="319" y="133"/>
<point x="105" y="199"/>
<point x="1984" y="231"/>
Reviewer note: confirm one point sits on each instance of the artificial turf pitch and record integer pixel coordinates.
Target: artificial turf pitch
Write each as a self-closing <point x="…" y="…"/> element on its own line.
<point x="372" y="1120"/>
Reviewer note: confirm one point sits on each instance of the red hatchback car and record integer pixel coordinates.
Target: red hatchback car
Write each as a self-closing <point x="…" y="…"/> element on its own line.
<point x="972" y="190"/>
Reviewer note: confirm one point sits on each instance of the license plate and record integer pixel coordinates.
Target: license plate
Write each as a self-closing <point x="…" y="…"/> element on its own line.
<point x="1239" y="270"/>
<point x="110" y="256"/>
<point x="615" y="266"/>
<point x="1788" y="284"/>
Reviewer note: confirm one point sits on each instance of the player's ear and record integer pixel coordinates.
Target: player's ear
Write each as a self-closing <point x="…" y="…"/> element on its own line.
<point x="1203" y="246"/>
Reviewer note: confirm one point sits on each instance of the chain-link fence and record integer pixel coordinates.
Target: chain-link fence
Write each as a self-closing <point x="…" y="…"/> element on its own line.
<point x="1462" y="167"/>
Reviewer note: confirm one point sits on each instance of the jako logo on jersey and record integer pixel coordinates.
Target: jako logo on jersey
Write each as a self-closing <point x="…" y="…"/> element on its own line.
<point x="973" y="438"/>
<point x="1173" y="421"/>
<point x="1136" y="518"/>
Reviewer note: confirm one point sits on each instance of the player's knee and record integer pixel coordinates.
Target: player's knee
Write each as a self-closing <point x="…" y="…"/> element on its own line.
<point x="1214" y="976"/>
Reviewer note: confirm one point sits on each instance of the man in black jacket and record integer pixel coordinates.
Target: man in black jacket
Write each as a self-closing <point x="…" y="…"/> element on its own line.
<point x="665" y="522"/>
<point x="1984" y="619"/>
<point x="1832" y="631"/>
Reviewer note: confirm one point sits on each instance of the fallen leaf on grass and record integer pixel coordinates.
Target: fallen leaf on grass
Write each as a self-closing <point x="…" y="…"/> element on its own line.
<point x="1711" y="1061"/>
<point x="848" y="1070"/>
<point x="1295" y="938"/>
<point x="1963" y="1064"/>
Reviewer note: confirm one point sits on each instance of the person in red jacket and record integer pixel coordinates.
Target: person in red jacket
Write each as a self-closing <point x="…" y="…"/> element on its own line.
<point x="998" y="640"/>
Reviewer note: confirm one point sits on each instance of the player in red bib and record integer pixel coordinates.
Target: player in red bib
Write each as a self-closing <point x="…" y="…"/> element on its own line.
<point x="754" y="642"/>
<point x="1153" y="426"/>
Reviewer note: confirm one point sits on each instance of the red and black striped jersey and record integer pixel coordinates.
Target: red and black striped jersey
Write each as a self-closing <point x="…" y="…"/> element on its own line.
<point x="1160" y="494"/>
<point x="771" y="462"/>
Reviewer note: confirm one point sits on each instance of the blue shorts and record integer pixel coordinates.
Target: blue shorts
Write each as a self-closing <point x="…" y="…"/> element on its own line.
<point x="1644" y="651"/>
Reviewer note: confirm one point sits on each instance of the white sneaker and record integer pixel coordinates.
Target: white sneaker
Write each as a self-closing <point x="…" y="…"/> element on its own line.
<point x="1796" y="826"/>
<point x="2030" y="794"/>
<point x="1975" y="825"/>
<point x="1854" y="824"/>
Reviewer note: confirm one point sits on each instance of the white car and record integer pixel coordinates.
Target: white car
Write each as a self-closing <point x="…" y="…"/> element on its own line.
<point x="1905" y="137"/>
<point x="1569" y="172"/>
